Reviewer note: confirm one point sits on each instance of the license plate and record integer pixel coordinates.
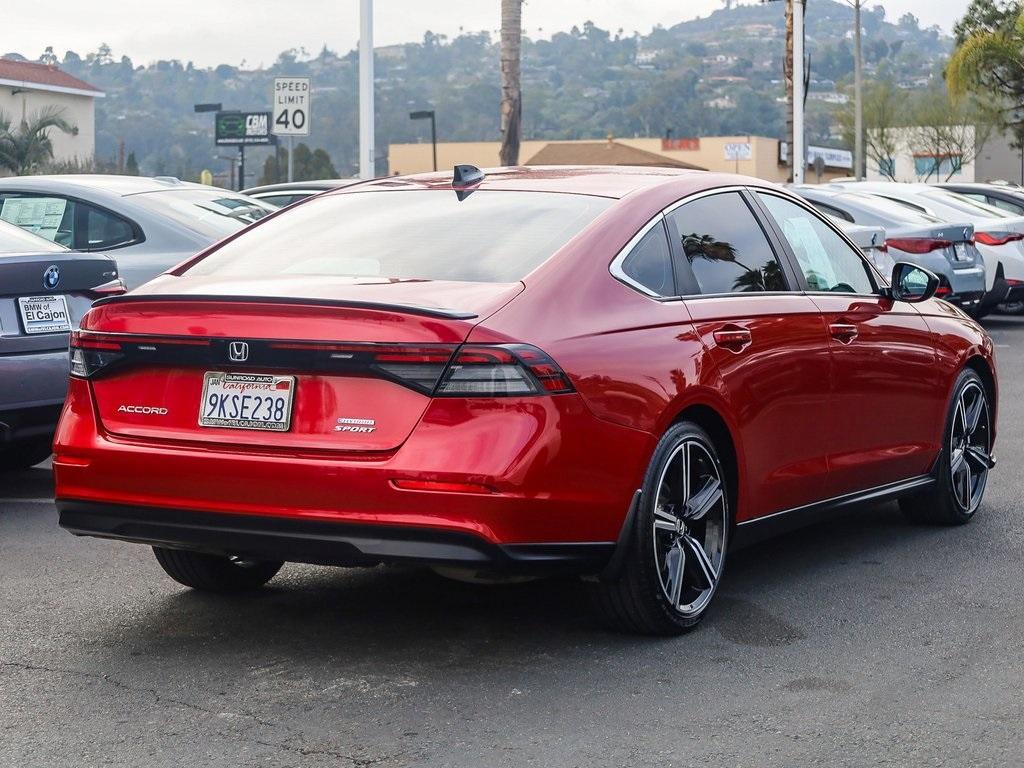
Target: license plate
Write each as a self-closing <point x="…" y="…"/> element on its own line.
<point x="44" y="314"/>
<point x="960" y="252"/>
<point x="247" y="401"/>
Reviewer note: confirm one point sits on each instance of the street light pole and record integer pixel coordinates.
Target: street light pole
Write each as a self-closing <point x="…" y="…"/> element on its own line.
<point x="799" y="153"/>
<point x="366" y="148"/>
<point x="423" y="114"/>
<point x="858" y="97"/>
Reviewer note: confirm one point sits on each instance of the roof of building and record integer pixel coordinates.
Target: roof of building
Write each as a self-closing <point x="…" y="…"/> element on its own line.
<point x="608" y="152"/>
<point x="44" y="77"/>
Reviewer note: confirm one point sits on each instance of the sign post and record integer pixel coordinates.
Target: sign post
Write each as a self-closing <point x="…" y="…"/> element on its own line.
<point x="291" y="115"/>
<point x="242" y="129"/>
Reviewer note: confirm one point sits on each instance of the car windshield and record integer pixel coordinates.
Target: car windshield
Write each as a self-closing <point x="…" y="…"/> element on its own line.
<point x="489" y="236"/>
<point x="211" y="212"/>
<point x="893" y="210"/>
<point x="966" y="204"/>
<point x="14" y="239"/>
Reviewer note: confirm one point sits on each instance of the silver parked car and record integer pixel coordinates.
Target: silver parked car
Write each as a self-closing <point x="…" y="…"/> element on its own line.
<point x="44" y="291"/>
<point x="149" y="224"/>
<point x="945" y="248"/>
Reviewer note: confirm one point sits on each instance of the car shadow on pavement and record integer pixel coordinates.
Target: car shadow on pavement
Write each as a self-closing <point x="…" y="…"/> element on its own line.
<point x="35" y="483"/>
<point x="360" y="614"/>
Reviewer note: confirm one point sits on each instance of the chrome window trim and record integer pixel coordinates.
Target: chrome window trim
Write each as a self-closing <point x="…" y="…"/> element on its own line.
<point x="616" y="266"/>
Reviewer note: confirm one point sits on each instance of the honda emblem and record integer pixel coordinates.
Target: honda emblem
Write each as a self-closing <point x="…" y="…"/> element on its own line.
<point x="238" y="351"/>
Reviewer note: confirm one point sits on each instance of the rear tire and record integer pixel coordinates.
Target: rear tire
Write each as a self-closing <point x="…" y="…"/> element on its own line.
<point x="215" y="573"/>
<point x="963" y="464"/>
<point x="677" y="543"/>
<point x="24" y="455"/>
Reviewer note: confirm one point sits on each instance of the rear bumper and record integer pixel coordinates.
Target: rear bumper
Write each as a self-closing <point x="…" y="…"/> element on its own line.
<point x="322" y="543"/>
<point x="33" y="380"/>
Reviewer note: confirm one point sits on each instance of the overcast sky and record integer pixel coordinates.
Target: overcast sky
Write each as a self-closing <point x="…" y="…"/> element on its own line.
<point x="211" y="32"/>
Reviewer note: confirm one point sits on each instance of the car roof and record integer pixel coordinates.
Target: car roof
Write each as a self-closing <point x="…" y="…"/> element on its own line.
<point x="319" y="185"/>
<point x="602" y="181"/>
<point x="109" y="183"/>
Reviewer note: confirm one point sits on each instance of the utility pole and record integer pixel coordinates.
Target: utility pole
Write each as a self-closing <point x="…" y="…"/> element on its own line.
<point x="799" y="152"/>
<point x="858" y="97"/>
<point x="366" y="149"/>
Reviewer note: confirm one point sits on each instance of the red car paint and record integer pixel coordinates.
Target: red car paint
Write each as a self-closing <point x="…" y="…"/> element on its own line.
<point x="833" y="393"/>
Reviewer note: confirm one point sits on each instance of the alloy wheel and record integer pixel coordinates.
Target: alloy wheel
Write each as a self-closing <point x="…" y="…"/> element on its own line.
<point x="690" y="527"/>
<point x="970" y="449"/>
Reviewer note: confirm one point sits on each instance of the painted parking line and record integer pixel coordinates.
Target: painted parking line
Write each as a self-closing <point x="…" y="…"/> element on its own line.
<point x="26" y="501"/>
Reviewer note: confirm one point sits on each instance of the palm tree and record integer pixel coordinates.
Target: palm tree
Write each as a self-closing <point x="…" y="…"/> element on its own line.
<point x="24" y="150"/>
<point x="511" y="91"/>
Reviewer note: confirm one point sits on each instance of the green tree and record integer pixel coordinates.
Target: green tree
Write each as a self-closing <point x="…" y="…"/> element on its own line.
<point x="989" y="60"/>
<point x="25" y="149"/>
<point x="307" y="165"/>
<point x="131" y="165"/>
<point x="885" y="115"/>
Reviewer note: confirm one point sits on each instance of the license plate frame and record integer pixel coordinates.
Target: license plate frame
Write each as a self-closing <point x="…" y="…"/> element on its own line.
<point x="241" y="385"/>
<point x="960" y="252"/>
<point x="33" y="327"/>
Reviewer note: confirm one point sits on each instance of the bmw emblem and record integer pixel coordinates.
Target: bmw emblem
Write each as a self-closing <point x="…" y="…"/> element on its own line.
<point x="51" y="277"/>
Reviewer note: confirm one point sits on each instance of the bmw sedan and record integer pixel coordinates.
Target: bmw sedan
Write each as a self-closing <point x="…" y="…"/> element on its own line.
<point x="44" y="291"/>
<point x="148" y="224"/>
<point x="612" y="372"/>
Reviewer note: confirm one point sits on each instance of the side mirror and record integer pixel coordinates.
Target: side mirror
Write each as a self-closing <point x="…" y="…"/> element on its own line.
<point x="912" y="283"/>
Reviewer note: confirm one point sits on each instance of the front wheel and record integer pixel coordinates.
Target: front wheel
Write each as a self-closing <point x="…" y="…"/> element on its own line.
<point x="966" y="458"/>
<point x="215" y="573"/>
<point x="677" y="545"/>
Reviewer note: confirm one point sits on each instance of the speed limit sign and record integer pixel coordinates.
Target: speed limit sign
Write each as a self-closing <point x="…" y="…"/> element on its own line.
<point x="291" y="106"/>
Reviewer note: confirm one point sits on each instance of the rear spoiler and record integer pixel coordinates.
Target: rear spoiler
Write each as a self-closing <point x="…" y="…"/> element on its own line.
<point x="410" y="309"/>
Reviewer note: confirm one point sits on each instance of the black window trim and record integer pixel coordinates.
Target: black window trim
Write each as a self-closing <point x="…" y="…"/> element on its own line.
<point x="876" y="278"/>
<point x="138" y="235"/>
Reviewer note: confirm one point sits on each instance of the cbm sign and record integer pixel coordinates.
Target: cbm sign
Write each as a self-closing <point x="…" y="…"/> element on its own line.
<point x="242" y="129"/>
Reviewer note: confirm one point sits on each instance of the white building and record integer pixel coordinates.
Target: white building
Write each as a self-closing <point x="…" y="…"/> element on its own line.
<point x="930" y="155"/>
<point x="27" y="87"/>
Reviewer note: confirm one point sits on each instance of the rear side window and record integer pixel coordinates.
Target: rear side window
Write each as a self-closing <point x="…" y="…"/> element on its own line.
<point x="67" y="222"/>
<point x="650" y="263"/>
<point x="827" y="261"/>
<point x="725" y="246"/>
<point x="489" y="236"/>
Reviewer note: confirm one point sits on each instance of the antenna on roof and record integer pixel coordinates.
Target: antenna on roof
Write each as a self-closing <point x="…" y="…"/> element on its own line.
<point x="465" y="176"/>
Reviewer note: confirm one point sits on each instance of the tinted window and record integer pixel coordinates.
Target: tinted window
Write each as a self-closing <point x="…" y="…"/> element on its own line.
<point x="490" y="236"/>
<point x="102" y="229"/>
<point x="650" y="263"/>
<point x="726" y="247"/>
<point x="68" y="222"/>
<point x="827" y="261"/>
<point x="1006" y="205"/>
<point x="283" y="199"/>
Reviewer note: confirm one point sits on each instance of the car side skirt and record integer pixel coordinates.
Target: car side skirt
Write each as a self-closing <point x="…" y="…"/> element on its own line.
<point x="752" y="531"/>
<point x="321" y="543"/>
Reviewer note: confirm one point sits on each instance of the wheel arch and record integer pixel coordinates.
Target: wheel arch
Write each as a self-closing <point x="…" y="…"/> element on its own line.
<point x="711" y="421"/>
<point x="983" y="368"/>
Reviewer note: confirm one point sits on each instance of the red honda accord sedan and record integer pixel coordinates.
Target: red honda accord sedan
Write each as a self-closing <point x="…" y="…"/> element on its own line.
<point x="606" y="371"/>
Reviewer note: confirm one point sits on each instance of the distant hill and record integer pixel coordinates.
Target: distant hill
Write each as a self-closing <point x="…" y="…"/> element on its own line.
<point x="715" y="75"/>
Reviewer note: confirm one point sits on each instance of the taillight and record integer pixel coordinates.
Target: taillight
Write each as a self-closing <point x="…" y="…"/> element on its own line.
<point x="917" y="244"/>
<point x="89" y="354"/>
<point x="502" y="370"/>
<point x="113" y="288"/>
<point x="997" y="238"/>
<point x="943" y="290"/>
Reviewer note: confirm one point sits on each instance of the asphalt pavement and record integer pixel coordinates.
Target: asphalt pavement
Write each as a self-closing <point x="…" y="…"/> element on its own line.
<point x="862" y="641"/>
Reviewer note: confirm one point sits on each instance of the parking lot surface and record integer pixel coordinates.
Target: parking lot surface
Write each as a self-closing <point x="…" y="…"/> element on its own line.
<point x="859" y="641"/>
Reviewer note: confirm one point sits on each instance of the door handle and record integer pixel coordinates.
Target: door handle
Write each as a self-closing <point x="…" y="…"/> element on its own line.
<point x="843" y="332"/>
<point x="732" y="338"/>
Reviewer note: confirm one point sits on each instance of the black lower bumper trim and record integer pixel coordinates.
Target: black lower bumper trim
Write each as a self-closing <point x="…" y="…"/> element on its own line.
<point x="320" y="543"/>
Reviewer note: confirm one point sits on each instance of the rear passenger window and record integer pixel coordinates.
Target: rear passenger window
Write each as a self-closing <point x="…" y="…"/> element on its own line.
<point x="69" y="222"/>
<point x="827" y="261"/>
<point x="725" y="246"/>
<point x="650" y="263"/>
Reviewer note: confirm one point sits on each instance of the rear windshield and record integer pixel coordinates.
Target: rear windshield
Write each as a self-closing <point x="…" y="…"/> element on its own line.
<point x="894" y="210"/>
<point x="214" y="213"/>
<point x="490" y="236"/>
<point x="14" y="239"/>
